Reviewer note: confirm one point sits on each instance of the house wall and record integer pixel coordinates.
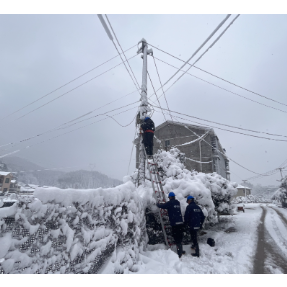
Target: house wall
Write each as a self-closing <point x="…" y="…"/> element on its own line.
<point x="4" y="185"/>
<point x="241" y="192"/>
<point x="178" y="135"/>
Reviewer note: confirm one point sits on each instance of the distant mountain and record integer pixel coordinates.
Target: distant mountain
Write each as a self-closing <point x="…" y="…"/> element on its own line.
<point x="31" y="173"/>
<point x="86" y="179"/>
<point x="16" y="163"/>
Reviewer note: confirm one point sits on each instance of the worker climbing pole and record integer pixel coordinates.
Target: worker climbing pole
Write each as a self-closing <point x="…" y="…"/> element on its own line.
<point x="146" y="133"/>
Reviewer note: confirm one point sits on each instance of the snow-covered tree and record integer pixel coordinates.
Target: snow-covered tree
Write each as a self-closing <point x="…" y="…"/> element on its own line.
<point x="280" y="195"/>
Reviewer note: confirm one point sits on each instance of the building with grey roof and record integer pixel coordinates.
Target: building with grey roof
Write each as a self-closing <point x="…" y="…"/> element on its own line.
<point x="201" y="146"/>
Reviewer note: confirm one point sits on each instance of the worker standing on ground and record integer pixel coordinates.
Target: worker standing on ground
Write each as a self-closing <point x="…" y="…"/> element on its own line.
<point x="194" y="219"/>
<point x="176" y="221"/>
<point x="148" y="129"/>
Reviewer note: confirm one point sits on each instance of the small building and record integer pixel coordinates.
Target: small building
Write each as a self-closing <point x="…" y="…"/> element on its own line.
<point x="5" y="181"/>
<point x="201" y="146"/>
<point x="243" y="191"/>
<point x="14" y="187"/>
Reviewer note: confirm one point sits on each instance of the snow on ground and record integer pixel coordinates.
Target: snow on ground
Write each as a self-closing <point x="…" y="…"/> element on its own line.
<point x="233" y="252"/>
<point x="277" y="229"/>
<point x="283" y="211"/>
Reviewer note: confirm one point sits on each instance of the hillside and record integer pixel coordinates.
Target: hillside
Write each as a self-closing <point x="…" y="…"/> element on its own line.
<point x="31" y="173"/>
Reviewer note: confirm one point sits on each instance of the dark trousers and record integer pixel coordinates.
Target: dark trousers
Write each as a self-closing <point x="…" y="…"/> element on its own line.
<point x="177" y="234"/>
<point x="148" y="142"/>
<point x="193" y="235"/>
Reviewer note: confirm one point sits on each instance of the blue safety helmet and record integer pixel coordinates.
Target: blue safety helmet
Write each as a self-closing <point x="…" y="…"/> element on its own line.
<point x="189" y="197"/>
<point x="146" y="118"/>
<point x="171" y="194"/>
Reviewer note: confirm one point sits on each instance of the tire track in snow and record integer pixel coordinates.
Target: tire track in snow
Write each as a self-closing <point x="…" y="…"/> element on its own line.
<point x="268" y="258"/>
<point x="278" y="232"/>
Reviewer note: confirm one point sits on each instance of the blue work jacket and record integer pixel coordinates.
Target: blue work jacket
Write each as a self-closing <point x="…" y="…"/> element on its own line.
<point x="174" y="212"/>
<point x="193" y="216"/>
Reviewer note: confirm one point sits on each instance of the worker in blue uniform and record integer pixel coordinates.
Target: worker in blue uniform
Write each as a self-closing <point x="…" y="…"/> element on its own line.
<point x="176" y="221"/>
<point x="194" y="219"/>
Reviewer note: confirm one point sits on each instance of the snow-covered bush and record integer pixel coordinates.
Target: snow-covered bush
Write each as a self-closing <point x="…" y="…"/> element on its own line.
<point x="280" y="195"/>
<point x="72" y="231"/>
<point x="211" y="191"/>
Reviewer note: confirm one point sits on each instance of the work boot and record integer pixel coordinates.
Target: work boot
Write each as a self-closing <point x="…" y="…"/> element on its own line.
<point x="179" y="250"/>
<point x="196" y="254"/>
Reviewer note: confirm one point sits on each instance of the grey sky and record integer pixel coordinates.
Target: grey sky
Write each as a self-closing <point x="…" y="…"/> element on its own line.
<point x="42" y="52"/>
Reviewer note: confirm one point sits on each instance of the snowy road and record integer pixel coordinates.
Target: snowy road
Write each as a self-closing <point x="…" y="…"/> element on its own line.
<point x="271" y="254"/>
<point x="251" y="242"/>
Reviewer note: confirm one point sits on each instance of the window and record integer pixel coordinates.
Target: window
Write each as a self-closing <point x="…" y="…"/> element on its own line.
<point x="7" y="180"/>
<point x="5" y="189"/>
<point x="167" y="143"/>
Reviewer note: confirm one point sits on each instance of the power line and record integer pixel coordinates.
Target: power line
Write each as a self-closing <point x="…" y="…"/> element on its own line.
<point x="196" y="67"/>
<point x="111" y="38"/>
<point x="156" y="95"/>
<point x="82" y="127"/>
<point x="222" y="153"/>
<point x="222" y="88"/>
<point x="224" y="125"/>
<point x="123" y="126"/>
<point x="65" y="84"/>
<point x="73" y="89"/>
<point x="200" y="55"/>
<point x="59" y="127"/>
<point x="98" y="108"/>
<point x="208" y="38"/>
<point x="138" y="86"/>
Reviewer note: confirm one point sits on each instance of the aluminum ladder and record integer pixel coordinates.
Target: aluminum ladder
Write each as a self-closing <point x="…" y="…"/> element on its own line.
<point x="158" y="193"/>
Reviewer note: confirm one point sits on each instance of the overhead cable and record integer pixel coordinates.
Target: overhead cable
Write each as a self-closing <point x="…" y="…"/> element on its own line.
<point x="210" y="46"/>
<point x="69" y="132"/>
<point x="161" y="85"/>
<point x="196" y="67"/>
<point x="221" y="123"/>
<point x="122" y="50"/>
<point x="208" y="38"/>
<point x="235" y="131"/>
<point x="71" y="124"/>
<point x="155" y="94"/>
<point x="72" y="89"/>
<point x="65" y="84"/>
<point x="82" y="127"/>
<point x="222" y="88"/>
<point x="111" y="38"/>
<point x="223" y="153"/>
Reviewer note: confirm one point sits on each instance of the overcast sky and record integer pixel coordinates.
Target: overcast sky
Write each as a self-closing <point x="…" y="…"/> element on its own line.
<point x="40" y="53"/>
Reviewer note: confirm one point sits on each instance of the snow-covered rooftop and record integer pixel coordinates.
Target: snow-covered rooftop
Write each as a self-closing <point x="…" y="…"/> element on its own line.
<point x="241" y="186"/>
<point x="4" y="173"/>
<point x="183" y="124"/>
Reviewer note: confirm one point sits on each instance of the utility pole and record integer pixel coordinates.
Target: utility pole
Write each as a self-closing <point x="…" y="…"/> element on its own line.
<point x="244" y="181"/>
<point x="144" y="109"/>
